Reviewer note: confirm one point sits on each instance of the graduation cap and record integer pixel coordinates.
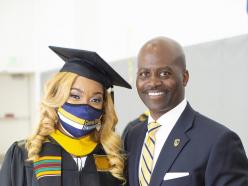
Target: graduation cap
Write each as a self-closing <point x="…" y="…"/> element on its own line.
<point x="90" y="65"/>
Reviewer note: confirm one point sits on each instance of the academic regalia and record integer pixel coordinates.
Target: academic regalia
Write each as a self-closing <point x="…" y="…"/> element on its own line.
<point x="57" y="166"/>
<point x="16" y="171"/>
<point x="90" y="65"/>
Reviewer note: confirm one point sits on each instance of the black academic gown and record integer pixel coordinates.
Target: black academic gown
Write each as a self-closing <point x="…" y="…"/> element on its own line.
<point x="16" y="171"/>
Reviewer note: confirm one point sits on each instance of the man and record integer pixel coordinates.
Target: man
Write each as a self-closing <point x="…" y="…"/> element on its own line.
<point x="175" y="145"/>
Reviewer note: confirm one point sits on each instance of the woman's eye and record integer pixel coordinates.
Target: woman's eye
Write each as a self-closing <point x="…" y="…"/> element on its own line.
<point x="75" y="96"/>
<point x="96" y="100"/>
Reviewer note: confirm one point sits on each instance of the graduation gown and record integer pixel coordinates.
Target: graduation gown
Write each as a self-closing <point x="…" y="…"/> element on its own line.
<point x="16" y="171"/>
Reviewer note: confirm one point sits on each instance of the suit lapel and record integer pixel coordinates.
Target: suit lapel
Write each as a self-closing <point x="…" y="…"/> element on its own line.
<point x="135" y="151"/>
<point x="172" y="148"/>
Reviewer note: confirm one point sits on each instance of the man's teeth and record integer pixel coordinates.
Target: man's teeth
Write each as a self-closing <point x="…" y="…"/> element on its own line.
<point x="155" y="93"/>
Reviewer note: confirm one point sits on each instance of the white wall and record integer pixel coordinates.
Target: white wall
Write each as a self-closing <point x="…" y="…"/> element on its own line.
<point x="16" y="32"/>
<point x="125" y="25"/>
<point x="116" y="29"/>
<point x="28" y="27"/>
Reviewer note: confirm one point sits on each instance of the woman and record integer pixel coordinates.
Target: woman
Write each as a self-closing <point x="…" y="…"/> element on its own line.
<point x="75" y="143"/>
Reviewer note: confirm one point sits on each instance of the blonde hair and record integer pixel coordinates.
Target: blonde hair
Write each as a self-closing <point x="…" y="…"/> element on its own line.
<point x="110" y="141"/>
<point x="56" y="93"/>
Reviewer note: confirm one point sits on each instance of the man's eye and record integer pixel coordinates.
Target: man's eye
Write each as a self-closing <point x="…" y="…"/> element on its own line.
<point x="143" y="74"/>
<point x="75" y="96"/>
<point x="164" y="73"/>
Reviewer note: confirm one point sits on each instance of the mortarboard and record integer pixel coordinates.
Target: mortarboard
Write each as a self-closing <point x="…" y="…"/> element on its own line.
<point x="90" y="65"/>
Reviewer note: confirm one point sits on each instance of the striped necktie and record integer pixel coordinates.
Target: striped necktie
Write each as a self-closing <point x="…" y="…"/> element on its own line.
<point x="146" y="161"/>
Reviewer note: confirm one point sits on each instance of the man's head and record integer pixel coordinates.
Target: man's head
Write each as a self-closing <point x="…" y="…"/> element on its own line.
<point x="162" y="75"/>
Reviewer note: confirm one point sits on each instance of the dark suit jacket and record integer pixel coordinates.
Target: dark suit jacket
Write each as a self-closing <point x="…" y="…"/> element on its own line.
<point x="211" y="154"/>
<point x="141" y="119"/>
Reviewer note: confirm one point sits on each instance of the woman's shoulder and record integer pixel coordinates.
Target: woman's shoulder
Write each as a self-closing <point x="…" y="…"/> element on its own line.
<point x="13" y="163"/>
<point x="17" y="150"/>
<point x="16" y="154"/>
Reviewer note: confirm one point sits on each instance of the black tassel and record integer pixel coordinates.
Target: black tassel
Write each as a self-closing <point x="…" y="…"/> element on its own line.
<point x="112" y="93"/>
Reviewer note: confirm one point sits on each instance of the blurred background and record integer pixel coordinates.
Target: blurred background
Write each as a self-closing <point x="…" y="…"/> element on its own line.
<point x="214" y="34"/>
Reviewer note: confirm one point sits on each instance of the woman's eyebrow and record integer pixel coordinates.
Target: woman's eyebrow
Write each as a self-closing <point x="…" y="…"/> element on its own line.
<point x="81" y="91"/>
<point x="95" y="93"/>
<point x="77" y="89"/>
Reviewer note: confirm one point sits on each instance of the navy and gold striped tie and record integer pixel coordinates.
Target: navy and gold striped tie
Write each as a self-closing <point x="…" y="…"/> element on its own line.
<point x="146" y="163"/>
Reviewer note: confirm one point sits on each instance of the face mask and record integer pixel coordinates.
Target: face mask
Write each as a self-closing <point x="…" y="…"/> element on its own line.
<point x="78" y="120"/>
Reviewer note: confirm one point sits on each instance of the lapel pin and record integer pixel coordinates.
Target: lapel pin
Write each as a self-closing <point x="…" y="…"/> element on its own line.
<point x="176" y="142"/>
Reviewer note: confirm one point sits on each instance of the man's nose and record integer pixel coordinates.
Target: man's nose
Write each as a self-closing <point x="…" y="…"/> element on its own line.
<point x="155" y="81"/>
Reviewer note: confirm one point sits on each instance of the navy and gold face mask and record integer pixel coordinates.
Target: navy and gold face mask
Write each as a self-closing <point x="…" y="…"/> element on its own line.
<point x="79" y="120"/>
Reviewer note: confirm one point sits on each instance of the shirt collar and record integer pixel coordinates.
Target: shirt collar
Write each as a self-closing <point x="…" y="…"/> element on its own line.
<point x="170" y="116"/>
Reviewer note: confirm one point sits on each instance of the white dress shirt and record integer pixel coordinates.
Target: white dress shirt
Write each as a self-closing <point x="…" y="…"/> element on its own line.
<point x="167" y="122"/>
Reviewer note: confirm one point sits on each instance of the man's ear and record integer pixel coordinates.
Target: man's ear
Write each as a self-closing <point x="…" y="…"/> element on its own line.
<point x="185" y="78"/>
